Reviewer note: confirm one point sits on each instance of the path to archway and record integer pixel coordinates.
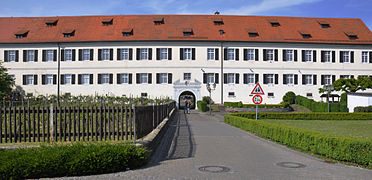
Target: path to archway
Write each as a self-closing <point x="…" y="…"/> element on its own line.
<point x="186" y="95"/>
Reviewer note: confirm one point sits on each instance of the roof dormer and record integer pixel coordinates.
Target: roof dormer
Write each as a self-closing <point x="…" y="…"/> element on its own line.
<point x="188" y="32"/>
<point x="324" y="24"/>
<point x="305" y="34"/>
<point x="252" y="32"/>
<point x="51" y="22"/>
<point x="274" y="22"/>
<point x="127" y="32"/>
<point x="218" y="21"/>
<point x="351" y="35"/>
<point x="158" y="20"/>
<point x="68" y="33"/>
<point x="21" y="34"/>
<point x="107" y="21"/>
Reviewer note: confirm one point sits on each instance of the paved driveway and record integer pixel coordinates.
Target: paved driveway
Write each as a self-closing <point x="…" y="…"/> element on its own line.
<point x="198" y="146"/>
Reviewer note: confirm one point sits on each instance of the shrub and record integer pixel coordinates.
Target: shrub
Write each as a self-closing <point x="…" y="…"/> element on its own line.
<point x="237" y="104"/>
<point x="321" y="106"/>
<point x="70" y="160"/>
<point x="363" y="109"/>
<point x="240" y="104"/>
<point x="343" y="97"/>
<point x="202" y="106"/>
<point x="352" y="150"/>
<point x="289" y="97"/>
<point x="206" y="99"/>
<point x="307" y="116"/>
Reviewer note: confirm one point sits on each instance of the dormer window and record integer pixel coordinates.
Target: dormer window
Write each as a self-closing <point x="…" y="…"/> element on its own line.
<point x="51" y="22"/>
<point x="188" y="32"/>
<point x="274" y="22"/>
<point x="21" y="34"/>
<point x="324" y="24"/>
<point x="158" y="20"/>
<point x="305" y="35"/>
<point x="351" y="35"/>
<point x="107" y="21"/>
<point x="252" y="32"/>
<point x="221" y="32"/>
<point x="218" y="21"/>
<point x="128" y="32"/>
<point x="68" y="33"/>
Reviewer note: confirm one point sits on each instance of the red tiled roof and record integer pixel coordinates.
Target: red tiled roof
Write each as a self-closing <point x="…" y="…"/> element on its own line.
<point x="90" y="28"/>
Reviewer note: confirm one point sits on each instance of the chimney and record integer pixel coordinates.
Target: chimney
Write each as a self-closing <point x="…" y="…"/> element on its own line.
<point x="217" y="13"/>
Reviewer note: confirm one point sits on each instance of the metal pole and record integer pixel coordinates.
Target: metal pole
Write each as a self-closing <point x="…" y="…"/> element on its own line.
<point x="328" y="99"/>
<point x="222" y="72"/>
<point x="210" y="99"/>
<point x="59" y="73"/>
<point x="51" y="123"/>
<point x="256" y="110"/>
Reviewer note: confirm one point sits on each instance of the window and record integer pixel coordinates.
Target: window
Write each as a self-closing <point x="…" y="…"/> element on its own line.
<point x="345" y="55"/>
<point x="188" y="32"/>
<point x="274" y="22"/>
<point x="49" y="55"/>
<point x="144" y="54"/>
<point x="249" y="78"/>
<point x="163" y="78"/>
<point x="365" y="57"/>
<point x="309" y="95"/>
<point x="143" y="78"/>
<point x="187" y="76"/>
<point x="68" y="33"/>
<point x="104" y="78"/>
<point x="270" y="94"/>
<point x="231" y="94"/>
<point x="326" y="56"/>
<point x="327" y="79"/>
<point x="269" y="54"/>
<point x="67" y="79"/>
<point x="86" y="54"/>
<point x="105" y="54"/>
<point x="29" y="79"/>
<point x="308" y="56"/>
<point x="210" y="54"/>
<point x="230" y="78"/>
<point x="68" y="55"/>
<point x="210" y="78"/>
<point x="124" y="54"/>
<point x="289" y="79"/>
<point x="270" y="79"/>
<point x="346" y="76"/>
<point x="163" y="53"/>
<point x="230" y="54"/>
<point x="107" y="21"/>
<point x="128" y="32"/>
<point x="187" y="53"/>
<point x="85" y="79"/>
<point x="308" y="79"/>
<point x="51" y="22"/>
<point x="124" y="78"/>
<point x="289" y="55"/>
<point x="12" y="56"/>
<point x="250" y="54"/>
<point x="143" y="94"/>
<point x="158" y="20"/>
<point x="49" y="79"/>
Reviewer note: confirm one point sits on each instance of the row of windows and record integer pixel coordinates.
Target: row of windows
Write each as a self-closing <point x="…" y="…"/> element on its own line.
<point x="166" y="78"/>
<point x="186" y="54"/>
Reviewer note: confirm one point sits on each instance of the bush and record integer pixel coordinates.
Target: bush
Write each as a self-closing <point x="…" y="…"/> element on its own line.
<point x="363" y="109"/>
<point x="343" y="97"/>
<point x="289" y="97"/>
<point x="321" y="106"/>
<point x="307" y="116"/>
<point x="202" y="106"/>
<point x="206" y="99"/>
<point x="240" y="104"/>
<point x="70" y="160"/>
<point x="352" y="150"/>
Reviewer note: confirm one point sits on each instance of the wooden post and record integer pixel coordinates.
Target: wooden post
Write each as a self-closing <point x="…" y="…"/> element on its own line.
<point x="134" y="123"/>
<point x="74" y="115"/>
<point x="33" y="124"/>
<point x="43" y="120"/>
<point x="126" y="122"/>
<point x="109" y="122"/>
<point x="64" y="123"/>
<point x="96" y="131"/>
<point x="78" y="122"/>
<point x="83" y="121"/>
<point x="121" y="121"/>
<point x="38" y="123"/>
<point x="19" y="126"/>
<point x="51" y="123"/>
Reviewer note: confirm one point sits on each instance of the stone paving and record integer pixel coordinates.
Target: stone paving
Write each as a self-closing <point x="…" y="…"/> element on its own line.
<point x="201" y="147"/>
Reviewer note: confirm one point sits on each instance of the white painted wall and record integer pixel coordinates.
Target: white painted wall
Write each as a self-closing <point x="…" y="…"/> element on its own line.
<point x="357" y="100"/>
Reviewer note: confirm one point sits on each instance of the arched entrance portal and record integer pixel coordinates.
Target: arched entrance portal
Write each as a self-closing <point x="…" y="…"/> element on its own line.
<point x="186" y="96"/>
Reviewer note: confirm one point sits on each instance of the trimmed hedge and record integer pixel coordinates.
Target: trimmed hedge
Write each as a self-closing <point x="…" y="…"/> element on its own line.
<point x="70" y="160"/>
<point x="352" y="150"/>
<point x="321" y="106"/>
<point x="202" y="106"/>
<point x="363" y="109"/>
<point x="241" y="105"/>
<point x="307" y="116"/>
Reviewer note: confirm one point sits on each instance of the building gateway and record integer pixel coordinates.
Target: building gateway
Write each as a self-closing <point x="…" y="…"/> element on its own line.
<point x="174" y="55"/>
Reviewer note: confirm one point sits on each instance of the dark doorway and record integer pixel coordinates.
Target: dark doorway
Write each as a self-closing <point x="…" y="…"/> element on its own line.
<point x="186" y="96"/>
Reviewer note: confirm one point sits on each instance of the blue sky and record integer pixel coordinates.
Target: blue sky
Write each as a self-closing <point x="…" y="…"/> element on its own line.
<point x="301" y="8"/>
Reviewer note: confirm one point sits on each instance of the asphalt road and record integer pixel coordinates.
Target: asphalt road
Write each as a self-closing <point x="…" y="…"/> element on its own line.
<point x="202" y="147"/>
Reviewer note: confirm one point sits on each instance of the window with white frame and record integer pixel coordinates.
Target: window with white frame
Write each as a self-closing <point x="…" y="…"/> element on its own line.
<point x="210" y="78"/>
<point x="230" y="54"/>
<point x="144" y="53"/>
<point x="124" y="78"/>
<point x="105" y="54"/>
<point x="187" y="76"/>
<point x="12" y="56"/>
<point x="270" y="54"/>
<point x="68" y="55"/>
<point x="308" y="79"/>
<point x="68" y="79"/>
<point x="30" y="56"/>
<point x="29" y="79"/>
<point x="86" y="54"/>
<point x="231" y="94"/>
<point x="210" y="54"/>
<point x="270" y="79"/>
<point x="105" y="78"/>
<point x="163" y="53"/>
<point x="85" y="78"/>
<point x="365" y="57"/>
<point x="49" y="79"/>
<point x="345" y="76"/>
<point x="143" y="78"/>
<point x="230" y="78"/>
<point x="289" y="55"/>
<point x="49" y="55"/>
<point x="289" y="78"/>
<point x="308" y="56"/>
<point x="163" y="78"/>
<point x="250" y="54"/>
<point x="187" y="53"/>
<point x="327" y="56"/>
<point x="124" y="54"/>
<point x="251" y="79"/>
<point x="346" y="56"/>
<point x="327" y="79"/>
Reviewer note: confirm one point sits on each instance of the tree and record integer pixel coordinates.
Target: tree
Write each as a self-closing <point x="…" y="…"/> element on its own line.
<point x="351" y="85"/>
<point x="6" y="82"/>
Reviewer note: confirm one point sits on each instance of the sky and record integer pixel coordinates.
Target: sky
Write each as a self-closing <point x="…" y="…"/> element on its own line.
<point x="299" y="8"/>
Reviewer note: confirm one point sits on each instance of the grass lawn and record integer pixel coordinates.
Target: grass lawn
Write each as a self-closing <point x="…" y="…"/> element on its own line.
<point x="358" y="129"/>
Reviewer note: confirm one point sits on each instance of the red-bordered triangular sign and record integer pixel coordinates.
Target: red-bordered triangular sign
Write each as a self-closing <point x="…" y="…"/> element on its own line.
<point x="258" y="89"/>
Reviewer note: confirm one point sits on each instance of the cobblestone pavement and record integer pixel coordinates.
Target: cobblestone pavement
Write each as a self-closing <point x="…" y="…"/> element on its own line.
<point x="201" y="147"/>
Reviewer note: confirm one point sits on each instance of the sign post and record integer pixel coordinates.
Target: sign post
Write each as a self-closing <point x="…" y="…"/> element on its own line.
<point x="257" y="99"/>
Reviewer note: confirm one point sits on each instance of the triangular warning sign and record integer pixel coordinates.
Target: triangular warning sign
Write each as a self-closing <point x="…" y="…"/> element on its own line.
<point x="258" y="89"/>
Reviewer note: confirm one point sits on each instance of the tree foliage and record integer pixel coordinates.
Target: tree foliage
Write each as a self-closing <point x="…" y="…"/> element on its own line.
<point x="6" y="82"/>
<point x="351" y="85"/>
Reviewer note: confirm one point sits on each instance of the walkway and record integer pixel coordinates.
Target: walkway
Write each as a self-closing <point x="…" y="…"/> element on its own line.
<point x="196" y="143"/>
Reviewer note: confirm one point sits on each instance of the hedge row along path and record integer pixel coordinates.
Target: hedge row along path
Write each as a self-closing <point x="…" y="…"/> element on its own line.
<point x="196" y="142"/>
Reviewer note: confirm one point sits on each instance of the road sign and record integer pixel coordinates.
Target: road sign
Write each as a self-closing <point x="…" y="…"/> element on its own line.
<point x="258" y="89"/>
<point x="257" y="99"/>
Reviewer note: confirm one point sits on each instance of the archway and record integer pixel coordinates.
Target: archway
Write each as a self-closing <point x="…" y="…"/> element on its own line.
<point x="184" y="96"/>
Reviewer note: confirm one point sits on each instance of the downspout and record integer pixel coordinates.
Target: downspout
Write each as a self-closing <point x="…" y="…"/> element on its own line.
<point x="222" y="73"/>
<point x="58" y="73"/>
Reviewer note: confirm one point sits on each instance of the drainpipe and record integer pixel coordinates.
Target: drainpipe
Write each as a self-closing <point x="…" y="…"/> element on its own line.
<point x="222" y="72"/>
<point x="58" y="73"/>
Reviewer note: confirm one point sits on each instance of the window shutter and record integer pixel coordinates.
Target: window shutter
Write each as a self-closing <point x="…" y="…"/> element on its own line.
<point x="352" y="57"/>
<point x="111" y="54"/>
<point x="91" y="79"/>
<point x="138" y="51"/>
<point x="17" y="56"/>
<point x="284" y="55"/>
<point x="225" y="78"/>
<point x="295" y="56"/>
<point x="6" y="56"/>
<point x="225" y="54"/>
<point x="130" y="78"/>
<point x="79" y="78"/>
<point x="54" y="79"/>
<point x="157" y="53"/>
<point x="62" y="79"/>
<point x="118" y="79"/>
<point x="245" y="53"/>
<point x="99" y="54"/>
<point x="314" y="56"/>
<point x="91" y="54"/>
<point x="193" y="53"/>
<point x="322" y="80"/>
<point x="118" y="54"/>
<point x="322" y="54"/>
<point x="256" y="78"/>
<point x="73" y="54"/>
<point x="99" y="79"/>
<point x="264" y="55"/>
<point x="370" y="57"/>
<point x="237" y="54"/>
<point x="237" y="78"/>
<point x="341" y="57"/>
<point x="245" y="78"/>
<point x="150" y="54"/>
<point x="296" y="79"/>
<point x="44" y="54"/>
<point x="276" y="55"/>
<point x="62" y="55"/>
<point x="284" y="79"/>
<point x="314" y="79"/>
<point x="333" y="78"/>
<point x="169" y="78"/>
<point x="276" y="79"/>
<point x="216" y="78"/>
<point x="303" y="80"/>
<point x="333" y="56"/>
<point x="24" y="79"/>
<point x="352" y="76"/>
<point x="35" y="79"/>
<point x="80" y="54"/>
<point x="169" y="53"/>
<point x="130" y="54"/>
<point x="303" y="56"/>
<point x="204" y="78"/>
<point x="216" y="54"/>
<point x="73" y="79"/>
<point x="36" y="56"/>
<point x="149" y="78"/>
<point x="43" y="79"/>
<point x="138" y="78"/>
<point x="24" y="56"/>
<point x="54" y="55"/>
<point x="111" y="78"/>
<point x="265" y="79"/>
<point x="181" y="54"/>
<point x="256" y="54"/>
<point x="157" y="78"/>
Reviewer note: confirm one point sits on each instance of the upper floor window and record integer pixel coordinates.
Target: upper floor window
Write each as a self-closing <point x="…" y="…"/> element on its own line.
<point x="289" y="55"/>
<point x="12" y="56"/>
<point x="86" y="54"/>
<point x="231" y="78"/>
<point x="328" y="56"/>
<point x="144" y="78"/>
<point x="105" y="54"/>
<point x="124" y="78"/>
<point x="163" y="78"/>
<point x="144" y="53"/>
<point x="30" y="56"/>
<point x="187" y="76"/>
<point x="230" y="54"/>
<point x="250" y="78"/>
<point x="365" y="57"/>
<point x="307" y="79"/>
<point x="29" y="79"/>
<point x="308" y="56"/>
<point x="211" y="54"/>
<point x="124" y="54"/>
<point x="85" y="79"/>
<point x="250" y="54"/>
<point x="105" y="78"/>
<point x="187" y="53"/>
<point x="210" y="78"/>
<point x="345" y="56"/>
<point x="270" y="54"/>
<point x="270" y="79"/>
<point x="68" y="55"/>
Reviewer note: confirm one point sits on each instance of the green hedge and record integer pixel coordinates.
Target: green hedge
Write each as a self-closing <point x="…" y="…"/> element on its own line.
<point x="321" y="106"/>
<point x="70" y="160"/>
<point x="202" y="106"/>
<point x="363" y="109"/>
<point x="352" y="150"/>
<point x="307" y="116"/>
<point x="241" y="105"/>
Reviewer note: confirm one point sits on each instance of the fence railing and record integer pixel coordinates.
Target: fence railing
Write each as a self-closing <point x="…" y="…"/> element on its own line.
<point x="80" y="123"/>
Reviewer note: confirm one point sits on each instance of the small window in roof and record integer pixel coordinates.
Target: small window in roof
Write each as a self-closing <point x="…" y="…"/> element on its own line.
<point x="218" y="21"/>
<point x="351" y="35"/>
<point x="274" y="22"/>
<point x="51" y="22"/>
<point x="107" y="21"/>
<point x="305" y="34"/>
<point x="188" y="32"/>
<point x="127" y="32"/>
<point x="21" y="34"/>
<point x="252" y="32"/>
<point x="68" y="33"/>
<point x="158" y="20"/>
<point x="324" y="24"/>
